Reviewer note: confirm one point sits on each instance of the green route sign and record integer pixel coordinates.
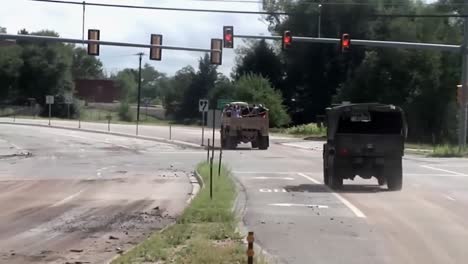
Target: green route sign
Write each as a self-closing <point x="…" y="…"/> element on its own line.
<point x="222" y="102"/>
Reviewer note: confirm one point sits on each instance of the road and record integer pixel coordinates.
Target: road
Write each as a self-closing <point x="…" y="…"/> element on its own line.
<point x="298" y="220"/>
<point x="68" y="196"/>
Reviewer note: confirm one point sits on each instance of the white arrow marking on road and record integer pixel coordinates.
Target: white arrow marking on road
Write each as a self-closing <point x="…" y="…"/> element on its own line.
<point x="299" y="205"/>
<point x="439" y="169"/>
<point x="273" y="178"/>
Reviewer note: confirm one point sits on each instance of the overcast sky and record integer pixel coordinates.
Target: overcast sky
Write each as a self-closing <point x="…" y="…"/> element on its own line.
<point x="187" y="29"/>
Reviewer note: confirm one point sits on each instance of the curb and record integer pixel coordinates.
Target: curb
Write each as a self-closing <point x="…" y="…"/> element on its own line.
<point x="239" y="208"/>
<point x="197" y="184"/>
<point x="157" y="139"/>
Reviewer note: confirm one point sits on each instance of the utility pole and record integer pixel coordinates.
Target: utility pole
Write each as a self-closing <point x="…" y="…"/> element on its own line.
<point x="462" y="114"/>
<point x="83" y="24"/>
<point x="319" y="19"/>
<point x="139" y="91"/>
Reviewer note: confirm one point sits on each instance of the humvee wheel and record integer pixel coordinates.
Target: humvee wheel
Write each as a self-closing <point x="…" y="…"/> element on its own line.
<point x="394" y="175"/>
<point x="325" y="175"/>
<point x="230" y="142"/>
<point x="254" y="144"/>
<point x="334" y="181"/>
<point x="263" y="142"/>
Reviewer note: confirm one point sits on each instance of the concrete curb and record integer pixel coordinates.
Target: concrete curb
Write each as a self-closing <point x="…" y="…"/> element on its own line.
<point x="197" y="184"/>
<point x="157" y="139"/>
<point x="239" y="208"/>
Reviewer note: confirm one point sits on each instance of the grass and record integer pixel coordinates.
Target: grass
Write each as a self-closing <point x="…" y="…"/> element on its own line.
<point x="448" y="151"/>
<point x="303" y="130"/>
<point x="98" y="115"/>
<point x="204" y="234"/>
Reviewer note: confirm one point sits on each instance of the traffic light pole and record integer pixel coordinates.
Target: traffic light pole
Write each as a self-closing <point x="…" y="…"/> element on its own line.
<point x="139" y="91"/>
<point x="464" y="90"/>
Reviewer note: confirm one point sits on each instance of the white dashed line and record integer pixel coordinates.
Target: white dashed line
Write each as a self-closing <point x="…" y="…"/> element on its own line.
<point x="273" y="178"/>
<point x="299" y="205"/>
<point x="439" y="169"/>
<point x="348" y="204"/>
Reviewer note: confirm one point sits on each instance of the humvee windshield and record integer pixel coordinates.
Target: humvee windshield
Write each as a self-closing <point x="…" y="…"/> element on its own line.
<point x="372" y="122"/>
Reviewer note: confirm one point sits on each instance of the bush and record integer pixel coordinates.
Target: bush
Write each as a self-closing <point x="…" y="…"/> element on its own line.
<point x="446" y="151"/>
<point x="306" y="129"/>
<point x="125" y="113"/>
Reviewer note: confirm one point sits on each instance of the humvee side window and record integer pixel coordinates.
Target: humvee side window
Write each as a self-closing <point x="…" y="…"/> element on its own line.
<point x="373" y="122"/>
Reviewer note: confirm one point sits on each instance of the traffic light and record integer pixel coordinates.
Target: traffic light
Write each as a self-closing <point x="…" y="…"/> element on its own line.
<point x="93" y="48"/>
<point x="228" y="37"/>
<point x="156" y="52"/>
<point x="287" y="40"/>
<point x="345" y="43"/>
<point x="216" y="56"/>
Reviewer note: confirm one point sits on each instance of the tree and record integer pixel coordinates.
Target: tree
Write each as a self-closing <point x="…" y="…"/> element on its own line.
<point x="127" y="84"/>
<point x="151" y="81"/>
<point x="257" y="90"/>
<point x="203" y="82"/>
<point x="174" y="89"/>
<point x="260" y="59"/>
<point x="10" y="66"/>
<point x="85" y="66"/>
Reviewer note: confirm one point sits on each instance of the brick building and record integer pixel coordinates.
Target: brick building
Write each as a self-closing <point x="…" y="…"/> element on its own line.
<point x="100" y="91"/>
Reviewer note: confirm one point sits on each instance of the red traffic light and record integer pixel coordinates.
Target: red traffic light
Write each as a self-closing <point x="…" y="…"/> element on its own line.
<point x="287" y="40"/>
<point x="345" y="42"/>
<point x="228" y="37"/>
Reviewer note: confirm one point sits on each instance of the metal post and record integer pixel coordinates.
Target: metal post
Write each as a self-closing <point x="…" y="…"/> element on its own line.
<point x="108" y="125"/>
<point x="213" y="143"/>
<point x="139" y="92"/>
<point x="203" y="129"/>
<point x="68" y="111"/>
<point x="170" y="132"/>
<point x="250" y="249"/>
<point x="211" y="175"/>
<point x="464" y="92"/>
<point x="83" y="25"/>
<point x="208" y="152"/>
<point x="220" y="160"/>
<point x="14" y="117"/>
<point x="50" y="113"/>
<point x="319" y="19"/>
<point x="79" y="121"/>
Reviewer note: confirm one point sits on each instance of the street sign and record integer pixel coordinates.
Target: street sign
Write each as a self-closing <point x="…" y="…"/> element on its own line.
<point x="222" y="103"/>
<point x="49" y="99"/>
<point x="203" y="105"/>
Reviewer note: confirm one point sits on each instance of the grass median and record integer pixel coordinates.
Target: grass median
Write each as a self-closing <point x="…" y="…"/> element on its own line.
<point x="205" y="233"/>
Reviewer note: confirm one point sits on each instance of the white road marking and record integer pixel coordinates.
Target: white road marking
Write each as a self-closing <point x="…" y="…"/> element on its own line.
<point x="450" y="198"/>
<point x="266" y="190"/>
<point x="300" y="205"/>
<point x="435" y="175"/>
<point x="348" y="204"/>
<point x="66" y="199"/>
<point x="265" y="172"/>
<point x="16" y="146"/>
<point x="273" y="178"/>
<point x="439" y="169"/>
<point x="97" y="140"/>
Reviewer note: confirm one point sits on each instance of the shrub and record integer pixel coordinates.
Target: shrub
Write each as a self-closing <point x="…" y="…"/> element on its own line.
<point x="125" y="112"/>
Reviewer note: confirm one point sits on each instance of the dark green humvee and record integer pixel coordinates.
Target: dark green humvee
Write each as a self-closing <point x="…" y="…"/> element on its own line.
<point x="365" y="140"/>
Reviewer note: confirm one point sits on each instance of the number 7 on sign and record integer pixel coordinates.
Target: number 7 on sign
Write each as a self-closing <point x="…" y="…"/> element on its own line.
<point x="203" y="105"/>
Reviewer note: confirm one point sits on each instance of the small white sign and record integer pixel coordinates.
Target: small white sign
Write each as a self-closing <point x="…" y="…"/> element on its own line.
<point x="203" y="105"/>
<point x="49" y="99"/>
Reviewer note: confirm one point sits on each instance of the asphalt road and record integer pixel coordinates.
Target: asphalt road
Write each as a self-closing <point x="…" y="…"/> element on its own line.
<point x="68" y="196"/>
<point x="298" y="220"/>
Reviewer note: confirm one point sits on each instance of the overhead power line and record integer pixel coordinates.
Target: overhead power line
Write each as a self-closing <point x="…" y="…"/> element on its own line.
<point x="166" y="8"/>
<point x="239" y="11"/>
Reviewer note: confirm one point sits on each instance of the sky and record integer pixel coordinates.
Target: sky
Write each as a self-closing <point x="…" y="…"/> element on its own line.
<point x="186" y="29"/>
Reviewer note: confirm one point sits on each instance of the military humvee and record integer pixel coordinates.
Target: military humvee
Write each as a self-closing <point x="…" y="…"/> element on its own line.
<point x="248" y="125"/>
<point x="365" y="140"/>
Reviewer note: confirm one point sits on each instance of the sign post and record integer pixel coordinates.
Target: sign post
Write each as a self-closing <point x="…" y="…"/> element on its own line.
<point x="50" y="102"/>
<point x="203" y="107"/>
<point x="68" y="102"/>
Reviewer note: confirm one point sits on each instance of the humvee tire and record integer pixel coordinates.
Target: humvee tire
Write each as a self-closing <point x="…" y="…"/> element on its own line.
<point x="254" y="144"/>
<point x="230" y="142"/>
<point x="263" y="142"/>
<point x="394" y="175"/>
<point x="325" y="175"/>
<point x="334" y="181"/>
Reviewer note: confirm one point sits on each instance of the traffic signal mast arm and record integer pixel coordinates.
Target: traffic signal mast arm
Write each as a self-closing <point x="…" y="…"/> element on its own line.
<point x="360" y="42"/>
<point x="103" y="43"/>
